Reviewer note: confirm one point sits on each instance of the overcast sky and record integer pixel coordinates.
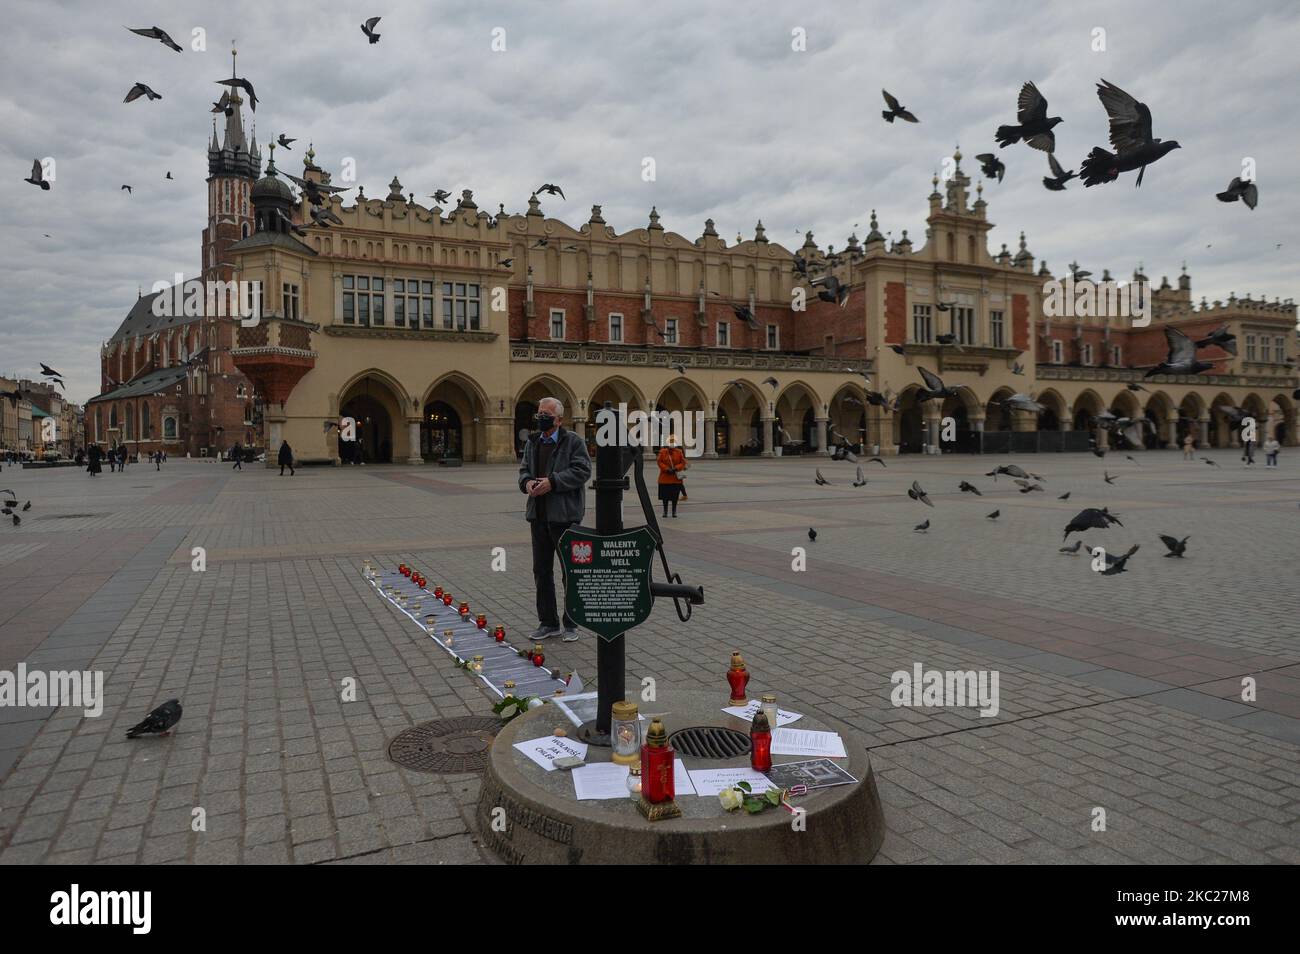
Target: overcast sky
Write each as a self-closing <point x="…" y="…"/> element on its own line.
<point x="740" y="125"/>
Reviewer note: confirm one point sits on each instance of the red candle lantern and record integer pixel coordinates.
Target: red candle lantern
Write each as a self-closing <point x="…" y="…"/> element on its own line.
<point x="446" y="599"/>
<point x="539" y="655"/>
<point x="500" y="634"/>
<point x="657" y="785"/>
<point x="437" y="591"/>
<point x="481" y="621"/>
<point x="760" y="743"/>
<point x="404" y="569"/>
<point x="738" y="677"/>
<point x="423" y="583"/>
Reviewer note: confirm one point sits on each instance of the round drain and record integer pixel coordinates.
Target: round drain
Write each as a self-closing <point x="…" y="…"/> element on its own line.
<point x="710" y="742"/>
<point x="446" y="746"/>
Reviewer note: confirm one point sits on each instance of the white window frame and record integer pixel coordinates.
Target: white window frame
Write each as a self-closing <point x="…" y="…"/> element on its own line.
<point x="997" y="328"/>
<point x="619" y="338"/>
<point x="1250" y="348"/>
<point x="564" y="324"/>
<point x="773" y="337"/>
<point x="670" y="331"/>
<point x="923" y="313"/>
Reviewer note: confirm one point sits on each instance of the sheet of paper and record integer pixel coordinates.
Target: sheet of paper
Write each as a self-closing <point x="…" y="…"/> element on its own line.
<point x="712" y="781"/>
<point x="600" y="780"/>
<point x="808" y="742"/>
<point x="548" y="747"/>
<point x="747" y="713"/>
<point x="815" y="773"/>
<point x="682" y="784"/>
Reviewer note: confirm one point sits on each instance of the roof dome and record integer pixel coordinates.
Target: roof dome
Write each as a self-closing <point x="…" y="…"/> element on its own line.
<point x="271" y="186"/>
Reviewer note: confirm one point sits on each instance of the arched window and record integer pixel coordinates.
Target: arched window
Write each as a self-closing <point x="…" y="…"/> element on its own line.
<point x="169" y="428"/>
<point x="130" y="423"/>
<point x="145" y="433"/>
<point x="112" y="418"/>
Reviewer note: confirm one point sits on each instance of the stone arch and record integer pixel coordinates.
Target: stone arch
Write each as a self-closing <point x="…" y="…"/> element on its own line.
<point x="1055" y="413"/>
<point x="526" y="400"/>
<point x="451" y="419"/>
<point x="1125" y="404"/>
<point x="996" y="416"/>
<point x="740" y="408"/>
<point x="847" y="414"/>
<point x="909" y="422"/>
<point x="617" y="390"/>
<point x="380" y="406"/>
<point x="684" y="396"/>
<point x="1221" y="432"/>
<point x="797" y="408"/>
<point x="1087" y="405"/>
<point x="1284" y="420"/>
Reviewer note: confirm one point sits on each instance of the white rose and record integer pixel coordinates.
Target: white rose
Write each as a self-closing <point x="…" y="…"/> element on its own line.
<point x="731" y="799"/>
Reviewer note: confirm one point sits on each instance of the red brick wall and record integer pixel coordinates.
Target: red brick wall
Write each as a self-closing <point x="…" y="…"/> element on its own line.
<point x="1020" y="324"/>
<point x="895" y="313"/>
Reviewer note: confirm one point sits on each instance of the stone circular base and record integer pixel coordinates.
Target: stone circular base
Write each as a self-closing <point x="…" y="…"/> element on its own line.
<point x="527" y="815"/>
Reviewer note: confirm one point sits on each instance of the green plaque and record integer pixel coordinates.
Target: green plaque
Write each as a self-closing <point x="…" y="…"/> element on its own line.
<point x="607" y="578"/>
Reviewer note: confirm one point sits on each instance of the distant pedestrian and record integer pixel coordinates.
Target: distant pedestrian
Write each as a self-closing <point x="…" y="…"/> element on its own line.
<point x="1189" y="445"/>
<point x="1271" y="448"/>
<point x="157" y="460"/>
<point x="286" y="458"/>
<point x="672" y="462"/>
<point x="237" y="453"/>
<point x="93" y="455"/>
<point x="1248" y="452"/>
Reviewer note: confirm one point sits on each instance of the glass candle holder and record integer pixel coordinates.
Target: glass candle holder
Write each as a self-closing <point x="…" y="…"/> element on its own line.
<point x="738" y="679"/>
<point x="760" y="743"/>
<point x="437" y="591"/>
<point x="769" y="708"/>
<point x="625" y="733"/>
<point x="447" y="599"/>
<point x="634" y="780"/>
<point x="368" y="569"/>
<point x="657" y="755"/>
<point x="477" y="664"/>
<point x="430" y="620"/>
<point x="481" y="621"/>
<point x="538" y="655"/>
<point x="500" y="634"/>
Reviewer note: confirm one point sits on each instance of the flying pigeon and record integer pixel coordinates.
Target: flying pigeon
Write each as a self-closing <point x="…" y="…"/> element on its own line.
<point x="916" y="493"/>
<point x="812" y="535"/>
<point x="994" y="515"/>
<point x="1065" y="496"/>
<point x="316" y="192"/>
<point x="240" y="83"/>
<point x="1176" y="547"/>
<point x="48" y="372"/>
<point x="159" y="34"/>
<point x="991" y="166"/>
<point x="1116" y="564"/>
<point x="285" y="141"/>
<point x="1059" y="177"/>
<point x="1108" y="478"/>
<point x="968" y="488"/>
<point x="1035" y="127"/>
<point x="552" y="189"/>
<point x="1130" y="136"/>
<point x="1090" y="519"/>
<point x="898" y="349"/>
<point x="877" y="460"/>
<point x="1014" y="470"/>
<point x="1181" y="358"/>
<point x="1210" y="462"/>
<point x="833" y="290"/>
<point x="1221" y="337"/>
<point x="510" y="263"/>
<point x="949" y="339"/>
<point x="1245" y="190"/>
<point x="129" y="190"/>
<point x="896" y="111"/>
<point x="37" y="178"/>
<point x="1073" y="548"/>
<point x="934" y="388"/>
<point x="1134" y="386"/>
<point x="138" y="90"/>
<point x="223" y="104"/>
<point x="921" y="527"/>
<point x="159" y="722"/>
<point x="368" y="28"/>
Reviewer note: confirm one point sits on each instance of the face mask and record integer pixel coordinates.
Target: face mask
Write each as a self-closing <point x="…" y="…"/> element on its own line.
<point x="545" y="421"/>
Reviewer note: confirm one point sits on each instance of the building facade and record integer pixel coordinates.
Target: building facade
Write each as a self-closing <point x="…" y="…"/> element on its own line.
<point x="439" y="330"/>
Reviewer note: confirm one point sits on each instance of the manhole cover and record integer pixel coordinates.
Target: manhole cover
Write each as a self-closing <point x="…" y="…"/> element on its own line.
<point x="446" y="746"/>
<point x="710" y="742"/>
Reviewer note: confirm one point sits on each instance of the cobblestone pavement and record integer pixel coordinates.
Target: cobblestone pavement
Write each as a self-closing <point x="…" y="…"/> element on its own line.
<point x="1122" y="693"/>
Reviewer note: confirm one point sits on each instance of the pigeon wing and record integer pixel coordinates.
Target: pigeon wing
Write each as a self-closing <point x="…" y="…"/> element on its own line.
<point x="1031" y="106"/>
<point x="889" y="100"/>
<point x="1130" y="121"/>
<point x="1181" y="348"/>
<point x="1250" y="195"/>
<point x="932" y="380"/>
<point x="1056" y="166"/>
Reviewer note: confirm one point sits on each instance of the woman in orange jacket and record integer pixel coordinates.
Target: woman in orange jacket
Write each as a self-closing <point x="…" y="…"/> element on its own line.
<point x="672" y="462"/>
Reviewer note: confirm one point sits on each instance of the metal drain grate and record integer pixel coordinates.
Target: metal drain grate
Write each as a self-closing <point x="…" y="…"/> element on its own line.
<point x="446" y="746"/>
<point x="710" y="742"/>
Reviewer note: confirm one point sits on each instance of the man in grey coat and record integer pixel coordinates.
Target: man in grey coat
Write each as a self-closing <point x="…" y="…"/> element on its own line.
<point x="553" y="472"/>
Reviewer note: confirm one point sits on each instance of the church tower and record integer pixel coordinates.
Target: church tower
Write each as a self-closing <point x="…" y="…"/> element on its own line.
<point x="233" y="166"/>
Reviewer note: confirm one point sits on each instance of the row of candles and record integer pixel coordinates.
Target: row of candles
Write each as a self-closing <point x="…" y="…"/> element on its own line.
<point x="537" y="655"/>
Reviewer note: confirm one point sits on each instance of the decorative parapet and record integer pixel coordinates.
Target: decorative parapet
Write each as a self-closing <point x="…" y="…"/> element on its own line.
<point x="701" y="358"/>
<point x="410" y="334"/>
<point x="1048" y="372"/>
